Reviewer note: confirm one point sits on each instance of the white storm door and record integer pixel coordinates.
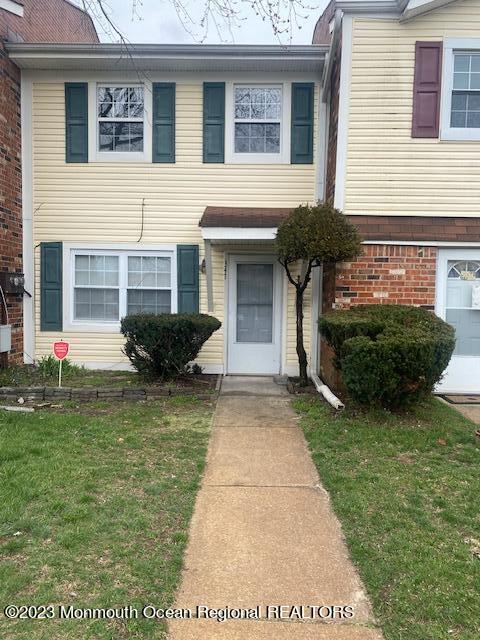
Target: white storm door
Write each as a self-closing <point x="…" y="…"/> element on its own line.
<point x="254" y="315"/>
<point x="458" y="302"/>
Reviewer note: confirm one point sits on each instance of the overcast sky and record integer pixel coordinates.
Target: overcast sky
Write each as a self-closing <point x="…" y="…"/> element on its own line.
<point x="157" y="22"/>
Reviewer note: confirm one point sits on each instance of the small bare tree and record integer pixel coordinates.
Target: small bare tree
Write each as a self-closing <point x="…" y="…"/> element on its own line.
<point x="220" y="15"/>
<point x="312" y="236"/>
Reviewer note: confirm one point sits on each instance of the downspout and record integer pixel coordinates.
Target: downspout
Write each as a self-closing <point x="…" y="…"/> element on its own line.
<point x="324" y="124"/>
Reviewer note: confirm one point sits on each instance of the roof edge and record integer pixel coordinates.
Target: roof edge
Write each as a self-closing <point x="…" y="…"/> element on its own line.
<point x="166" y="50"/>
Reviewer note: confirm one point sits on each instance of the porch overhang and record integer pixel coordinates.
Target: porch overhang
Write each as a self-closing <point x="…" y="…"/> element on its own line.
<point x="237" y="225"/>
<point x="241" y="224"/>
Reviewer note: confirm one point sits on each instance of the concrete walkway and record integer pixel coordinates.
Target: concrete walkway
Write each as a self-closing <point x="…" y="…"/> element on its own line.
<point x="263" y="532"/>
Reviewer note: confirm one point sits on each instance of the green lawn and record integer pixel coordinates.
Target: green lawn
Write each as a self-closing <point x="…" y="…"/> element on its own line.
<point x="406" y="490"/>
<point x="95" y="503"/>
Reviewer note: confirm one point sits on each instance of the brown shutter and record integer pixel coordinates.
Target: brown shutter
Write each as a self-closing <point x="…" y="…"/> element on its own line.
<point x="426" y="89"/>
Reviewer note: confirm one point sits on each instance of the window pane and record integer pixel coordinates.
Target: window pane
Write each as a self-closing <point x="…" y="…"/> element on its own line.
<point x="458" y="119"/>
<point x="475" y="63"/>
<point x="255" y="303"/>
<point x="473" y="119"/>
<point x="242" y="111"/>
<point x="474" y="102"/>
<point x="96" y="304"/>
<point x="257" y="138"/>
<point x="121" y="136"/>
<point x="96" y="270"/>
<point x="475" y="81"/>
<point x="467" y="331"/>
<point x="461" y="62"/>
<point x="459" y="101"/>
<point x="120" y="104"/>
<point x="258" y="103"/>
<point x="273" y="111"/>
<point x="460" y="80"/>
<point x="148" y="301"/>
<point x="149" y="272"/>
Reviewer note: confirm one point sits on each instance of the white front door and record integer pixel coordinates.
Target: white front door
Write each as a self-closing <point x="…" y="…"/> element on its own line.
<point x="254" y="315"/>
<point x="458" y="302"/>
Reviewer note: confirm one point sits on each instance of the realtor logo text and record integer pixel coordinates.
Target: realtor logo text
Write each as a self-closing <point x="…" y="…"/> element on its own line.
<point x="201" y="612"/>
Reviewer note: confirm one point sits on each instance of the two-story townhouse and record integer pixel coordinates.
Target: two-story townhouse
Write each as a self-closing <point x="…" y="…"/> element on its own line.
<point x="403" y="86"/>
<point x="159" y="175"/>
<point x="22" y="21"/>
<point x="154" y="180"/>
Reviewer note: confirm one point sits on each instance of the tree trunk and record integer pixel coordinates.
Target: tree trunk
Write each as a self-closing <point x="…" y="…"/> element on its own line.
<point x="301" y="353"/>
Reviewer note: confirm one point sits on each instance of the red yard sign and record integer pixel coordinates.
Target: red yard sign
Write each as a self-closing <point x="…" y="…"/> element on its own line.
<point x="60" y="349"/>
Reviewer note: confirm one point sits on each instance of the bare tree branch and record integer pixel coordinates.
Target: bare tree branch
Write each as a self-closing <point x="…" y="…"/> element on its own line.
<point x="200" y="17"/>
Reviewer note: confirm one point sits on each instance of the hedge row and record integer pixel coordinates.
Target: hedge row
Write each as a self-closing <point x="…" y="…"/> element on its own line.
<point x="390" y="355"/>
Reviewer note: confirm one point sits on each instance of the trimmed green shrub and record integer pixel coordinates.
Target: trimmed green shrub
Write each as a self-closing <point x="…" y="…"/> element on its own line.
<point x="389" y="355"/>
<point x="161" y="346"/>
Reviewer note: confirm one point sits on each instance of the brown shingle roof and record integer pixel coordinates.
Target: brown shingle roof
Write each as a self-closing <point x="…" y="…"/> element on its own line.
<point x="397" y="228"/>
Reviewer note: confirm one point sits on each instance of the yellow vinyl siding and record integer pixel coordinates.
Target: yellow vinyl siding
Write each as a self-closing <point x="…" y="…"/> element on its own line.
<point x="388" y="172"/>
<point x="101" y="202"/>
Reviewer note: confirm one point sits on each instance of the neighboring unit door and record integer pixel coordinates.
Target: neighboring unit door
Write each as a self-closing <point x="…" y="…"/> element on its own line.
<point x="458" y="302"/>
<point x="254" y="315"/>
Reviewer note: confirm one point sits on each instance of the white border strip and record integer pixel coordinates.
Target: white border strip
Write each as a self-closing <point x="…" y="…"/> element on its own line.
<point x="237" y="233"/>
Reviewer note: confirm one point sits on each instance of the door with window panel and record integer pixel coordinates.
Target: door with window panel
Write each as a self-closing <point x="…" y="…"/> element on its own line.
<point x="254" y="315"/>
<point x="458" y="302"/>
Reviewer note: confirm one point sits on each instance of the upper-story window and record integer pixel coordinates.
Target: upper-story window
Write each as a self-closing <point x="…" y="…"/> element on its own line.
<point x="465" y="111"/>
<point x="460" y="97"/>
<point x="120" y="113"/>
<point x="258" y="119"/>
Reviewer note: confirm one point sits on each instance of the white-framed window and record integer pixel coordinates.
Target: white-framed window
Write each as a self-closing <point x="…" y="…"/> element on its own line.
<point x="119" y="121"/>
<point x="120" y="115"/>
<point x="460" y="111"/>
<point x="258" y="118"/>
<point x="257" y="122"/>
<point x="96" y="288"/>
<point x="108" y="284"/>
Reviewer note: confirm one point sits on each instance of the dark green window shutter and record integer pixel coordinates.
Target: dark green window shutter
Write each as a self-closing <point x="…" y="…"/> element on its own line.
<point x="51" y="309"/>
<point x="76" y="121"/>
<point x="163" y="122"/>
<point x="302" y="123"/>
<point x="187" y="280"/>
<point x="214" y="122"/>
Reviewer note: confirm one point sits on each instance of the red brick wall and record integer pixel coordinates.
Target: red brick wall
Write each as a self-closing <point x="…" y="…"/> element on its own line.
<point x="10" y="196"/>
<point x="384" y="274"/>
<point x="48" y="21"/>
<point x="388" y="274"/>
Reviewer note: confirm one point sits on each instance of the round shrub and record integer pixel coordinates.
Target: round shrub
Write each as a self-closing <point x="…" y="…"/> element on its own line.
<point x="161" y="346"/>
<point x="389" y="355"/>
